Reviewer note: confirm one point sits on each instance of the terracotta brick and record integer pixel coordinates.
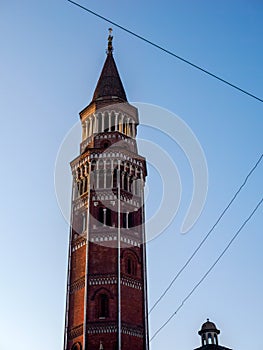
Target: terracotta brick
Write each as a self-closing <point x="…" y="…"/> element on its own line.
<point x="108" y="156"/>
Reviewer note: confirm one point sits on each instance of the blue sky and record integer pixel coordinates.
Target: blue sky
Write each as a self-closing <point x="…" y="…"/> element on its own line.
<point x="51" y="56"/>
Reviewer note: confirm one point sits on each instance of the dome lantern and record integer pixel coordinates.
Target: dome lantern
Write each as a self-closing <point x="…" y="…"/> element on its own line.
<point x="209" y="333"/>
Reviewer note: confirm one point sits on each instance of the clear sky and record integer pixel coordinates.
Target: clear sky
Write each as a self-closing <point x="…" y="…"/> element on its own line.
<point x="51" y="56"/>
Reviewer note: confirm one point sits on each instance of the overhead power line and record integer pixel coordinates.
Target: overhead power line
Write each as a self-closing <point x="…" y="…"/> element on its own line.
<point x="167" y="51"/>
<point x="207" y="235"/>
<point x="209" y="270"/>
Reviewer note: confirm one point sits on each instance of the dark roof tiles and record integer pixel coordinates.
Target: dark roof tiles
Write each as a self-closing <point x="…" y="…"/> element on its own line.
<point x="109" y="84"/>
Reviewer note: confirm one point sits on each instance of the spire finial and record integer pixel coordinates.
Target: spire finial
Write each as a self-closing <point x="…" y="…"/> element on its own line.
<point x="110" y="37"/>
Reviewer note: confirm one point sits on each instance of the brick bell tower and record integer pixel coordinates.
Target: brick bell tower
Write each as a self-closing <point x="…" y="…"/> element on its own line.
<point x="106" y="306"/>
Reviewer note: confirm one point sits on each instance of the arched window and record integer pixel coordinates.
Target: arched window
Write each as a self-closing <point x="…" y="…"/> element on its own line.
<point x="108" y="217"/>
<point x="131" y="266"/>
<point x="124" y="220"/>
<point x="115" y="174"/>
<point x="106" y="122"/>
<point x="130" y="129"/>
<point x="91" y="126"/>
<point x="122" y="167"/>
<point x="80" y="187"/>
<point x="125" y="182"/>
<point x="101" y="178"/>
<point x="92" y="174"/>
<point x="84" y="222"/>
<point x="130" y="220"/>
<point x="203" y="339"/>
<point x="119" y="125"/>
<point x="76" y="346"/>
<point x="101" y="215"/>
<point x="108" y="179"/>
<point x="99" y="123"/>
<point x="85" y="186"/>
<point x="112" y="117"/>
<point x="124" y="125"/>
<point x="84" y="131"/>
<point x="87" y="128"/>
<point x="92" y="180"/>
<point x="93" y="165"/>
<point x="103" y="308"/>
<point x="216" y="339"/>
<point x="136" y="184"/>
<point x="78" y="223"/>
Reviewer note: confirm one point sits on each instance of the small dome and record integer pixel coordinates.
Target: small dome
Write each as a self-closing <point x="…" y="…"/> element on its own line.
<point x="208" y="326"/>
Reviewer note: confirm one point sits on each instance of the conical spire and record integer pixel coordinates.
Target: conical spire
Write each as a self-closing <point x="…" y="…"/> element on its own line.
<point x="109" y="85"/>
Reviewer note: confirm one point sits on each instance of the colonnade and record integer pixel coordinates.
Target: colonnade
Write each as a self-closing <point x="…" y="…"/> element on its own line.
<point x="104" y="175"/>
<point x="209" y="338"/>
<point x="103" y="122"/>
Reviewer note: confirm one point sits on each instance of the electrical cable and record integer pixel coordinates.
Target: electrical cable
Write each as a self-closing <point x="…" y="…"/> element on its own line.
<point x="209" y="270"/>
<point x="235" y="195"/>
<point x="167" y="51"/>
<point x="207" y="235"/>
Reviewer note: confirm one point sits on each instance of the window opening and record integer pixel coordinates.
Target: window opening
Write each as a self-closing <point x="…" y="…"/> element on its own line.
<point x="103" y="306"/>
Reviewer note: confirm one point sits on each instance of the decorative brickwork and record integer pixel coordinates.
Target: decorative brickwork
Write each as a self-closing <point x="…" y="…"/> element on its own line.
<point x="98" y="328"/>
<point x="133" y="331"/>
<point x="107" y="293"/>
<point x="96" y="280"/>
<point x="77" y="285"/>
<point x="132" y="283"/>
<point x="75" y="332"/>
<point x="80" y="243"/>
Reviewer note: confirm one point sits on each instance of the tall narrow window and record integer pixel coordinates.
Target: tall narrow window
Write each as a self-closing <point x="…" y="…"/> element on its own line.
<point x="130" y="130"/>
<point x="124" y="125"/>
<point x="103" y="306"/>
<point x="76" y="190"/>
<point x="99" y="123"/>
<point x="84" y="222"/>
<point x="118" y="126"/>
<point x="80" y="187"/>
<point x="112" y="122"/>
<point x="136" y="186"/>
<point x="85" y="186"/>
<point x="203" y="339"/>
<point x="108" y="179"/>
<point x="87" y="128"/>
<point x="93" y="165"/>
<point x="106" y="122"/>
<point x="115" y="174"/>
<point x="101" y="178"/>
<point x="93" y="174"/>
<point x="126" y="182"/>
<point x="124" y="220"/>
<point x="130" y="220"/>
<point x="131" y="266"/>
<point x="108" y="217"/>
<point x="101" y="215"/>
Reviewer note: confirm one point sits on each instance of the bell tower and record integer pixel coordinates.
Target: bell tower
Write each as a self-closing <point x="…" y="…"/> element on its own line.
<point x="106" y="305"/>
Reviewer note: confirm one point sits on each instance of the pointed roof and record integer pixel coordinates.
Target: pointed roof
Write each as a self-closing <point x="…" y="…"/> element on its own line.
<point x="109" y="84"/>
